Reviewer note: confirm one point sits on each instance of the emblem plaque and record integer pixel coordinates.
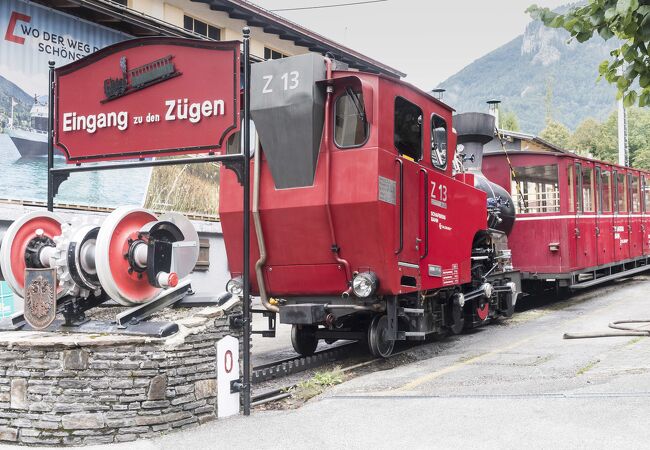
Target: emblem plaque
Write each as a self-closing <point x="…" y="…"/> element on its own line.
<point x="40" y="297"/>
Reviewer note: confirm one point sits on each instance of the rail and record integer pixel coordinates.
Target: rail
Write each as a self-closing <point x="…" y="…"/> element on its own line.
<point x="298" y="364"/>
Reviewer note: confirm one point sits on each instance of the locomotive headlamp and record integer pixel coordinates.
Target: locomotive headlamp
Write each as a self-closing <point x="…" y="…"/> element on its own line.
<point x="364" y="284"/>
<point x="235" y="286"/>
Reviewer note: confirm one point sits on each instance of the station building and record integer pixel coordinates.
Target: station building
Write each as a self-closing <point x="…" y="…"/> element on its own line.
<point x="272" y="36"/>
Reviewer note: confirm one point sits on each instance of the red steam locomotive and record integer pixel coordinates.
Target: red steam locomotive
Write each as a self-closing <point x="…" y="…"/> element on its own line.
<point x="367" y="224"/>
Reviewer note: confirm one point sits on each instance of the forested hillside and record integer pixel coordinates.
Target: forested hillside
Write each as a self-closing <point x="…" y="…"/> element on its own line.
<point x="538" y="75"/>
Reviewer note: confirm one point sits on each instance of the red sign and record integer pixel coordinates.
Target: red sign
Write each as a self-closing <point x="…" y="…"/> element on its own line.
<point x="148" y="97"/>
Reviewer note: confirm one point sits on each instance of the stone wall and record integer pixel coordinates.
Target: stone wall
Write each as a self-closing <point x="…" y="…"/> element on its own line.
<point x="73" y="389"/>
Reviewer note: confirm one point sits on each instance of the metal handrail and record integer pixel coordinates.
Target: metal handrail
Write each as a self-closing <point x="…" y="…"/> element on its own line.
<point x="401" y="206"/>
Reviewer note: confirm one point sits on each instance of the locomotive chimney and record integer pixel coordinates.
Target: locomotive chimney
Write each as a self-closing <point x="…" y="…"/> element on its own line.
<point x="474" y="130"/>
<point x="493" y="109"/>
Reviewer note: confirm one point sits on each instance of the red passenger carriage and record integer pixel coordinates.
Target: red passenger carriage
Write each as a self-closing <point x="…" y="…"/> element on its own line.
<point x="580" y="221"/>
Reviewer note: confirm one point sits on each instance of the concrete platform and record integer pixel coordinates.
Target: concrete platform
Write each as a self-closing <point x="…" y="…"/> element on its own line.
<point x="513" y="384"/>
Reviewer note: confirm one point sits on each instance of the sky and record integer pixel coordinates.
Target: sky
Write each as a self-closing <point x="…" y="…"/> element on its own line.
<point x="429" y="40"/>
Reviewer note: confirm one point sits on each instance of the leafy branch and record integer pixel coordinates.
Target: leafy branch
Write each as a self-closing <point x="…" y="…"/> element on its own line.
<point x="627" y="20"/>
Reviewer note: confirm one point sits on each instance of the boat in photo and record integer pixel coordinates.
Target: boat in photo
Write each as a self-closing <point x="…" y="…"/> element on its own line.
<point x="32" y="142"/>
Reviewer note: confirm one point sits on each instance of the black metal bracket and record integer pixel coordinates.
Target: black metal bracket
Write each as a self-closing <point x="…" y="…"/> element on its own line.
<point x="272" y="322"/>
<point x="141" y="312"/>
<point x="236" y="166"/>
<point x="236" y="321"/>
<point x="57" y="180"/>
<point x="236" y="386"/>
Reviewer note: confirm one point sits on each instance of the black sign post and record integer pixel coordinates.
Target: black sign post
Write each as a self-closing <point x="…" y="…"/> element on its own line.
<point x="247" y="235"/>
<point x="50" y="139"/>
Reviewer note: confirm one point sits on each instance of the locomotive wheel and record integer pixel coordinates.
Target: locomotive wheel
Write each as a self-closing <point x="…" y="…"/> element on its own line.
<point x="483" y="309"/>
<point x="303" y="339"/>
<point x="123" y="285"/>
<point x="458" y="318"/>
<point x="15" y="241"/>
<point x="378" y="342"/>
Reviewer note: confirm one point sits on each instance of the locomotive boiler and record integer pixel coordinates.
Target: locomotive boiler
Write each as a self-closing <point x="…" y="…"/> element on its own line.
<point x="367" y="225"/>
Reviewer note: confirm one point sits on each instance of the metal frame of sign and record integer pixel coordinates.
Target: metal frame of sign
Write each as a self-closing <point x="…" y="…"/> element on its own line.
<point x="100" y="54"/>
<point x="240" y="161"/>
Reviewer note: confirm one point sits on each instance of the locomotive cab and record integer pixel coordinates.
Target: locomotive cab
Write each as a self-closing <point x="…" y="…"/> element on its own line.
<point x="363" y="229"/>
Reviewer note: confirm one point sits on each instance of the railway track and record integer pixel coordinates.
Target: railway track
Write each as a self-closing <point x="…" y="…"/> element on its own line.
<point x="285" y="391"/>
<point x="298" y="364"/>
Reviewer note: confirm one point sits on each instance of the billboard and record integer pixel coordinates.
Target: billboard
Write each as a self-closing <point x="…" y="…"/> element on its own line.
<point x="30" y="36"/>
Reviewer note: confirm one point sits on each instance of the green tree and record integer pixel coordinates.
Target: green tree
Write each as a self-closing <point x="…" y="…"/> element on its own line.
<point x="604" y="144"/>
<point x="508" y="120"/>
<point x="629" y="21"/>
<point x="638" y="120"/>
<point x="556" y="133"/>
<point x="584" y="140"/>
<point x="607" y="140"/>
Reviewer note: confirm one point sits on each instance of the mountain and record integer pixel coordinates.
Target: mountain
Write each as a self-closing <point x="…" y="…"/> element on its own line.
<point x="9" y="90"/>
<point x="535" y="73"/>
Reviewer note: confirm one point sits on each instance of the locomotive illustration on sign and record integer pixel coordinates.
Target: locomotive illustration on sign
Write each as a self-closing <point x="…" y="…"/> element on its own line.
<point x="367" y="226"/>
<point x="140" y="77"/>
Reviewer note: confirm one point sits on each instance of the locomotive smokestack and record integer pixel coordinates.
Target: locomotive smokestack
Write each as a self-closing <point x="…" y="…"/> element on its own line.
<point x="474" y="130"/>
<point x="493" y="109"/>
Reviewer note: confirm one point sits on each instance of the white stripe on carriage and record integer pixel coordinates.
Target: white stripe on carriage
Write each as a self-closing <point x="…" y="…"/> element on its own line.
<point x="521" y="218"/>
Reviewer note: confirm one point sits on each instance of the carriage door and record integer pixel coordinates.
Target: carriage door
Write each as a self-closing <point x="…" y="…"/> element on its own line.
<point x="604" y="224"/>
<point x="585" y="230"/>
<point x="634" y="227"/>
<point x="621" y="221"/>
<point x="408" y="142"/>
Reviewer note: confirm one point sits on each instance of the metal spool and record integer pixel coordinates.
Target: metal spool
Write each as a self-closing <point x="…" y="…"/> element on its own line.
<point x="116" y="275"/>
<point x="80" y="257"/>
<point x="33" y="230"/>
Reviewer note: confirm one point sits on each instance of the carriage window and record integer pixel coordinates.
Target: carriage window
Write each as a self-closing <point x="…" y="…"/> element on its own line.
<point x="408" y="129"/>
<point x="579" y="187"/>
<point x="535" y="189"/>
<point x="634" y="193"/>
<point x="350" y="124"/>
<point x="621" y="193"/>
<point x="438" y="142"/>
<point x="572" y="189"/>
<point x="587" y="190"/>
<point x="606" y="192"/>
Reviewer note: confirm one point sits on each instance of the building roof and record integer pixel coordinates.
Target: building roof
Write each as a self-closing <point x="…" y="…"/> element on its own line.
<point x="287" y="30"/>
<point x="533" y="138"/>
<point x="114" y="15"/>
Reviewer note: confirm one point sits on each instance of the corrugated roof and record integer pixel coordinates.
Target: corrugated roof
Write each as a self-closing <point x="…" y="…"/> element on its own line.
<point x="272" y="23"/>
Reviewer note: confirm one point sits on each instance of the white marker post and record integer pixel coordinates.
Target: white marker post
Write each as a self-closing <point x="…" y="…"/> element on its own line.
<point x="227" y="371"/>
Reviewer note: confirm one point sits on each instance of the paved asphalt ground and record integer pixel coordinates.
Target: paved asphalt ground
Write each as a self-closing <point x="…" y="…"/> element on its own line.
<point x="509" y="385"/>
